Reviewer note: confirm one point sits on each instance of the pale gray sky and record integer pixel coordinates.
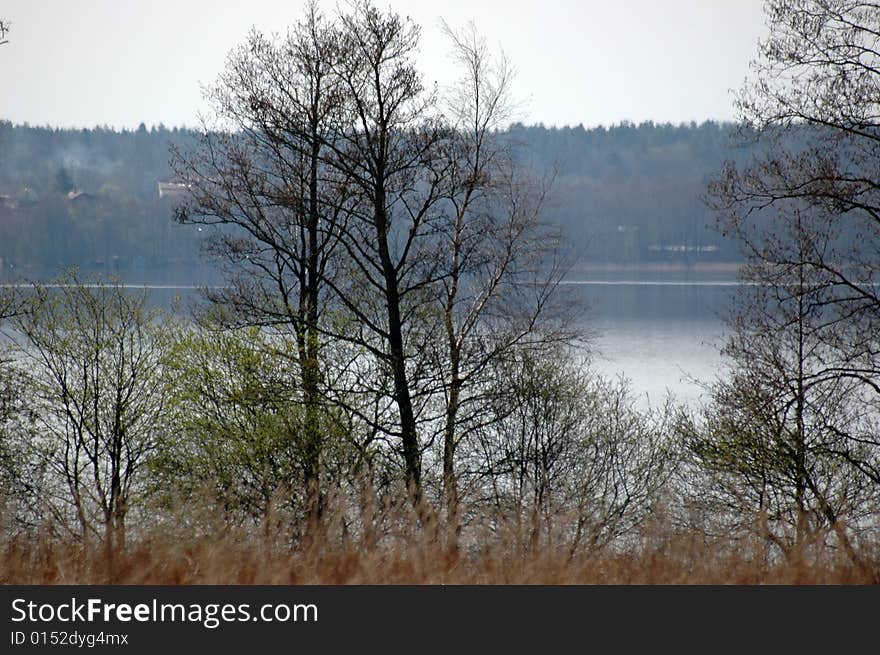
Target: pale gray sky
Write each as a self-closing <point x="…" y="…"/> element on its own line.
<point x="120" y="62"/>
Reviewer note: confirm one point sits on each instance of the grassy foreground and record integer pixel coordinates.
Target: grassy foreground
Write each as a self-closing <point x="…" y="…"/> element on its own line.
<point x="166" y="559"/>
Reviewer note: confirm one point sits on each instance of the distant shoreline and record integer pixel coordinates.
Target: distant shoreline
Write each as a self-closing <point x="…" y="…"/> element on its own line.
<point x="716" y="268"/>
<point x="726" y="273"/>
<point x="579" y="273"/>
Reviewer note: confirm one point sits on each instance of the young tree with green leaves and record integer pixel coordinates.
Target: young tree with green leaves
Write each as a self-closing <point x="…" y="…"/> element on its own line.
<point x="241" y="433"/>
<point x="569" y="461"/>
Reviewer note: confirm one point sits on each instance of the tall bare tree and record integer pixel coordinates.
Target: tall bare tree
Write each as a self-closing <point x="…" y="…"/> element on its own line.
<point x="806" y="210"/>
<point x="501" y="263"/>
<point x="393" y="151"/>
<point x="259" y="172"/>
<point x="814" y="102"/>
<point x="394" y="234"/>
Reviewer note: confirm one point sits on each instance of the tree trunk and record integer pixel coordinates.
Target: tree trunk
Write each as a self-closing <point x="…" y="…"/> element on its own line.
<point x="397" y="355"/>
<point x="310" y="362"/>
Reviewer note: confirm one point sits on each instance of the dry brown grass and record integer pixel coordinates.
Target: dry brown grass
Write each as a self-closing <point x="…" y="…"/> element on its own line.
<point x="253" y="561"/>
<point x="363" y="541"/>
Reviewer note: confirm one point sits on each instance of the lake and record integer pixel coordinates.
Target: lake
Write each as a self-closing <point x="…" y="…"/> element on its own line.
<point x="662" y="335"/>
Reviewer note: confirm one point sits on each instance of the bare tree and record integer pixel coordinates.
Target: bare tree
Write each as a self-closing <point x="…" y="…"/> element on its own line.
<point x="499" y="292"/>
<point x="4" y="30"/>
<point x="789" y="440"/>
<point x="324" y="164"/>
<point x="259" y="173"/>
<point x="395" y="236"/>
<point x="393" y="152"/>
<point x="330" y="178"/>
<point x="94" y="352"/>
<point x="806" y="211"/>
<point x="814" y="102"/>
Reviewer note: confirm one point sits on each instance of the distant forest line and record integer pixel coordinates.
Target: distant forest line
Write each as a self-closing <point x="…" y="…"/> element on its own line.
<point x="624" y="196"/>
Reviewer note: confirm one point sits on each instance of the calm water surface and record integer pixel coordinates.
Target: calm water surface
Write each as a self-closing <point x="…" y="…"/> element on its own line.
<point x="663" y="336"/>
